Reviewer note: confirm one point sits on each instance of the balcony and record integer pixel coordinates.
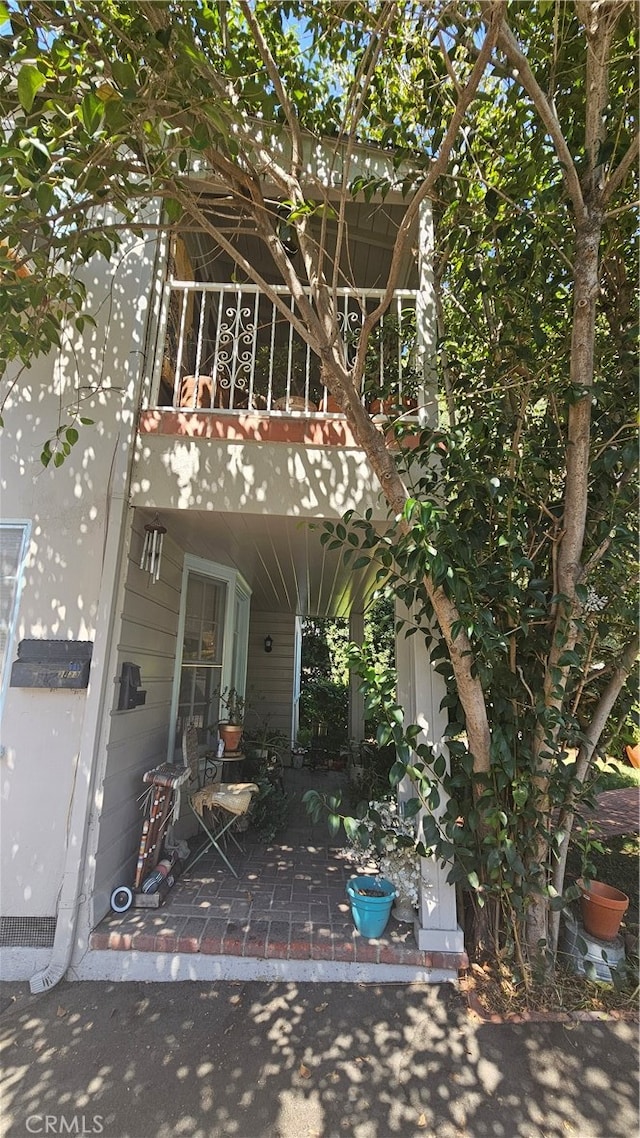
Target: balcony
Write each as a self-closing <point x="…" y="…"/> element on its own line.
<point x="228" y="350"/>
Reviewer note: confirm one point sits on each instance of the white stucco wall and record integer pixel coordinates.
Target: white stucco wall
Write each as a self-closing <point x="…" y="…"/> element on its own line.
<point x="73" y="511"/>
<point x="233" y="477"/>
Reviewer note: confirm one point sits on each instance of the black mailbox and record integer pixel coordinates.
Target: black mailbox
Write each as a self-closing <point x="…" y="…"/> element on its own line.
<point x="130" y="693"/>
<point x="62" y="664"/>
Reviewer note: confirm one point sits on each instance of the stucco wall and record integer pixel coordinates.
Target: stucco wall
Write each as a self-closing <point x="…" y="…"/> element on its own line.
<point x="71" y="510"/>
<point x="305" y="481"/>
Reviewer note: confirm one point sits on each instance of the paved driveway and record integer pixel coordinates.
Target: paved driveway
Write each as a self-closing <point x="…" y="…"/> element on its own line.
<point x="256" y="1060"/>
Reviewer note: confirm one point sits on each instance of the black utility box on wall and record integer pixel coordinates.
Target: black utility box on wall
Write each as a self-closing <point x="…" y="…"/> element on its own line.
<point x="130" y="692"/>
<point x="62" y="664"/>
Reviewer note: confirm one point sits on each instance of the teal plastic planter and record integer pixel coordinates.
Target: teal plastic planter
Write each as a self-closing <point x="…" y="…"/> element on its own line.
<point x="371" y="900"/>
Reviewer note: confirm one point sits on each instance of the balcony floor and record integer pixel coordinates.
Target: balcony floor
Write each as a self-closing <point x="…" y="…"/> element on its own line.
<point x="287" y="904"/>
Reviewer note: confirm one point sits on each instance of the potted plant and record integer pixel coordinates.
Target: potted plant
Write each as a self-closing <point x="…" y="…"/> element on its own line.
<point x="371" y="899"/>
<point x="264" y="739"/>
<point x="602" y="907"/>
<point x="231" y="725"/>
<point x="287" y="367"/>
<point x="394" y="850"/>
<point x="300" y="748"/>
<point x="391" y="380"/>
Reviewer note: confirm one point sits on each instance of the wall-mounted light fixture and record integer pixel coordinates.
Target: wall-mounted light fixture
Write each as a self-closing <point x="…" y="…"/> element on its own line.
<point x="268" y="643"/>
<point x="152" y="550"/>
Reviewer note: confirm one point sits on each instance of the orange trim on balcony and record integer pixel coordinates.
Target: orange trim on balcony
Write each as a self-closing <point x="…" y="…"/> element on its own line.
<point x="291" y="429"/>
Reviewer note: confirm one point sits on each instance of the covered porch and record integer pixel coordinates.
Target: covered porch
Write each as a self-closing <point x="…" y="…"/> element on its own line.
<point x="288" y="911"/>
<point x="286" y="915"/>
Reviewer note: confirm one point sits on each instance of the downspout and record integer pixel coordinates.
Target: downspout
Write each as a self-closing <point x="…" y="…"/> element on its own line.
<point x="86" y="776"/>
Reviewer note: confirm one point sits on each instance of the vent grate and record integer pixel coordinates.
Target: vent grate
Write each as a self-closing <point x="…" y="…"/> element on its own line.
<point x="32" y="932"/>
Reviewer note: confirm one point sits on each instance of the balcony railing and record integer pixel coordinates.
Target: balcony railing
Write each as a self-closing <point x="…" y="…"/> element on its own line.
<point x="228" y="347"/>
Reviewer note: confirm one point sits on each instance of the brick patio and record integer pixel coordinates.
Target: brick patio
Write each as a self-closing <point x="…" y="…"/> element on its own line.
<point x="288" y="903"/>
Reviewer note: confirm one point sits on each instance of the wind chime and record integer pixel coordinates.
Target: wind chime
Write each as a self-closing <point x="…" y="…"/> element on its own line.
<point x="152" y="550"/>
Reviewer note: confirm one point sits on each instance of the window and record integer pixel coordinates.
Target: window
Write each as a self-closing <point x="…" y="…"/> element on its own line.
<point x="202" y="643"/>
<point x="212" y="639"/>
<point x="13" y="545"/>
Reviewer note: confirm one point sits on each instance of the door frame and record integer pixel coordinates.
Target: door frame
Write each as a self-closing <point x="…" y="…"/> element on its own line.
<point x="236" y="586"/>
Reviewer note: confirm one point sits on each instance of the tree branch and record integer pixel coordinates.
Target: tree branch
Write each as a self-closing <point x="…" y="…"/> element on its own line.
<point x="437" y="168"/>
<point x="276" y="78"/>
<point x="509" y="45"/>
<point x="585" y="756"/>
<point x="617" y="178"/>
<point x="364" y="74"/>
<point x="191" y="206"/>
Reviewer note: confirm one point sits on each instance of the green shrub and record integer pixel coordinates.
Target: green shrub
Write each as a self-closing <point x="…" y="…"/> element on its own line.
<point x="269" y="813"/>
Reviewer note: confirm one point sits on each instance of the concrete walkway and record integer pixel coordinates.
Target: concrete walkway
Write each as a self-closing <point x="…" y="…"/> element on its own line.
<point x="258" y="1060"/>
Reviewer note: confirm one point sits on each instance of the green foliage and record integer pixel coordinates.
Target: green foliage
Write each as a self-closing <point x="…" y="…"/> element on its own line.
<point x="270" y="806"/>
<point x="263" y="736"/>
<point x="612" y="774"/>
<point x="325" y="650"/>
<point x="233" y="706"/>
<point x="373" y="764"/>
<point x="491" y="493"/>
<point x="57" y="448"/>
<point x="327" y="657"/>
<point x="324" y="707"/>
<point x="482" y="532"/>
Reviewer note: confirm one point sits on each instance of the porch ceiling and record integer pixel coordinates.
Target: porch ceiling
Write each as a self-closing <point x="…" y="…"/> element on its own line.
<point x="282" y="559"/>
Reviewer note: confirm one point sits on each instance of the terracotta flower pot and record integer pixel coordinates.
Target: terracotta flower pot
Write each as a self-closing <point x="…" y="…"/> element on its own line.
<point x="195" y="391"/>
<point x="294" y="403"/>
<point x="379" y="407"/>
<point x="231" y="734"/>
<point x="603" y="908"/>
<point x="333" y="407"/>
<point x="633" y="755"/>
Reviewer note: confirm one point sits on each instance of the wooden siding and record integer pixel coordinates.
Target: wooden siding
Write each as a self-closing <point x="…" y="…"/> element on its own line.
<point x="270" y="678"/>
<point x="137" y="738"/>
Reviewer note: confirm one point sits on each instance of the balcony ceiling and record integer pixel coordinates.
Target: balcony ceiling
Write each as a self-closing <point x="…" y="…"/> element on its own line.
<point x="282" y="560"/>
<point x="370" y="234"/>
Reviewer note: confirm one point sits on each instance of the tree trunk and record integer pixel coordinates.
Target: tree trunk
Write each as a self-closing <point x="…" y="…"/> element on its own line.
<point x="565" y="630"/>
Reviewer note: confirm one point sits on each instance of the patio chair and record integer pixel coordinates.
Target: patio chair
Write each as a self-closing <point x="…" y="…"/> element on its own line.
<point x="217" y="806"/>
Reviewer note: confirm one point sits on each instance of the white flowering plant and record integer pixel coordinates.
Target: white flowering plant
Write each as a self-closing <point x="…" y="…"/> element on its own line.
<point x="394" y="840"/>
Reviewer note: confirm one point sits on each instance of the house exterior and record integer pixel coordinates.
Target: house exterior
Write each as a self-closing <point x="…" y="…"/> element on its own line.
<point x="211" y="424"/>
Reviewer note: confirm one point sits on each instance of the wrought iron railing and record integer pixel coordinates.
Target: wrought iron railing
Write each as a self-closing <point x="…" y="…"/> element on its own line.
<point x="229" y="347"/>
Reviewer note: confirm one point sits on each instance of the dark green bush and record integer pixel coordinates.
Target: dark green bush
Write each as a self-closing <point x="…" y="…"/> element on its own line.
<point x="269" y="812"/>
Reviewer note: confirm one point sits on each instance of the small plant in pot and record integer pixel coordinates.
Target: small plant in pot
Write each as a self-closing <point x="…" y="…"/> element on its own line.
<point x="266" y="738"/>
<point x="231" y="724"/>
<point x="300" y="748"/>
